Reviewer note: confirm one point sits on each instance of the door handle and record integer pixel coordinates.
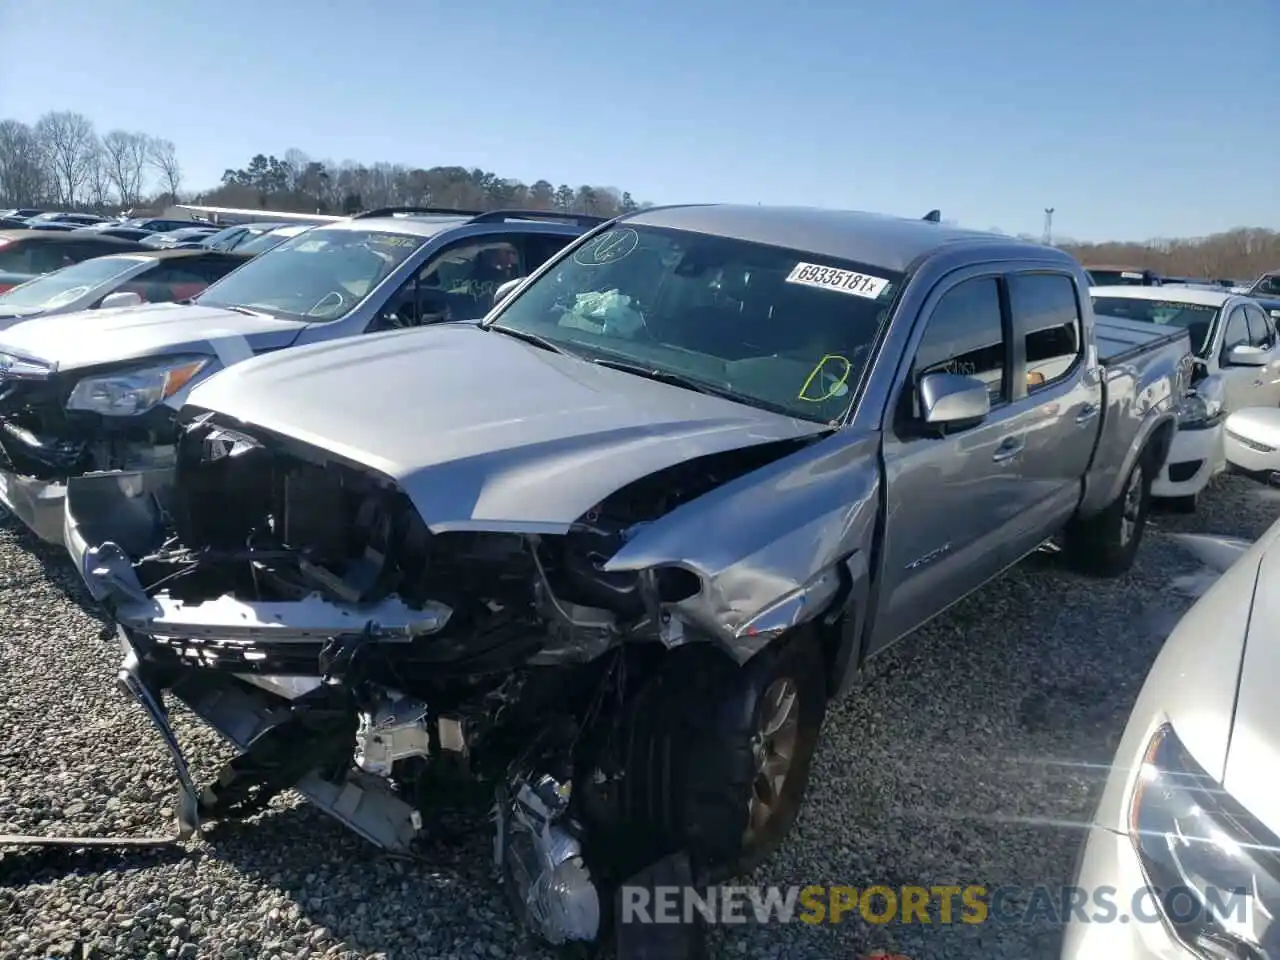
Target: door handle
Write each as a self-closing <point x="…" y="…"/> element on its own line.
<point x="1087" y="413"/>
<point x="1009" y="448"/>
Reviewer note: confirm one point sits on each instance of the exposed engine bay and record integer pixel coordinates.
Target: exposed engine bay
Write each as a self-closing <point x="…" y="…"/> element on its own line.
<point x="299" y="605"/>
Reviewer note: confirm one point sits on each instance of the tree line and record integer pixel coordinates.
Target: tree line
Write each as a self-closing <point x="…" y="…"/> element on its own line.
<point x="1239" y="254"/>
<point x="62" y="161"/>
<point x="296" y="182"/>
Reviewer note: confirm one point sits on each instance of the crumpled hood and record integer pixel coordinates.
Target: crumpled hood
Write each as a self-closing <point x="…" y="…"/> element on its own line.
<point x="92" y="337"/>
<point x="1254" y="755"/>
<point x="481" y="430"/>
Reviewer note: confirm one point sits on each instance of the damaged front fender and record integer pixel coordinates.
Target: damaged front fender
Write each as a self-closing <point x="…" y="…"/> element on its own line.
<point x="772" y="547"/>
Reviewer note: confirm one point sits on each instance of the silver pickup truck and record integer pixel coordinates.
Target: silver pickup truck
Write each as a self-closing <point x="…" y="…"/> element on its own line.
<point x="615" y="547"/>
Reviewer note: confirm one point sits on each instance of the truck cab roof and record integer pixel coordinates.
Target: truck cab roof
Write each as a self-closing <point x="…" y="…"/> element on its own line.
<point x="894" y="243"/>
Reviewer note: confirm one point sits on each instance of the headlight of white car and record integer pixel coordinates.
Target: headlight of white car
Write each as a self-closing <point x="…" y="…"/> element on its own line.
<point x="131" y="392"/>
<point x="1202" y="402"/>
<point x="1214" y="869"/>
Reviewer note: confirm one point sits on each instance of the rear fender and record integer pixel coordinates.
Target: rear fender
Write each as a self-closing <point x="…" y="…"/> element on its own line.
<point x="1153" y="441"/>
<point x="1140" y="405"/>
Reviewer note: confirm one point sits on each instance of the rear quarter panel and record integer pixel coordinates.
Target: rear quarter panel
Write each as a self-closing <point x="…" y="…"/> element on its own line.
<point x="1140" y="394"/>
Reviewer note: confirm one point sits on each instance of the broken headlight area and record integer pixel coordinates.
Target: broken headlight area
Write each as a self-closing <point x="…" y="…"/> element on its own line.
<point x="300" y="606"/>
<point x="43" y="436"/>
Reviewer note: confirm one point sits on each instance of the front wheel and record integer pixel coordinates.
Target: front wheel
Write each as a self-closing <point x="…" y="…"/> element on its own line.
<point x="1106" y="545"/>
<point x="717" y="755"/>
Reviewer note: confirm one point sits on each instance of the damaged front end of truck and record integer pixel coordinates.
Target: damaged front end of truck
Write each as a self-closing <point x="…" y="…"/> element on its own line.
<point x="298" y="603"/>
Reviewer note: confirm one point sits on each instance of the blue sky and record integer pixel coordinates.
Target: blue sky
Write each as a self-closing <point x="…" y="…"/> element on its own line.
<point x="1132" y="118"/>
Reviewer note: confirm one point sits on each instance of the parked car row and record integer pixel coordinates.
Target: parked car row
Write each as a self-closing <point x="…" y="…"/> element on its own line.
<point x="1237" y="366"/>
<point x="602" y="512"/>
<point x="164" y="233"/>
<point x="1112" y="275"/>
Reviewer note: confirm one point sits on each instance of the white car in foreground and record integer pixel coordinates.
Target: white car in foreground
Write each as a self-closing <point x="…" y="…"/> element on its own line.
<point x="1238" y="356"/>
<point x="1186" y="831"/>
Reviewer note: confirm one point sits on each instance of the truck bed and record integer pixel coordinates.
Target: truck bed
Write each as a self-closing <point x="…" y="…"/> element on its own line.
<point x="1121" y="340"/>
<point x="1145" y="366"/>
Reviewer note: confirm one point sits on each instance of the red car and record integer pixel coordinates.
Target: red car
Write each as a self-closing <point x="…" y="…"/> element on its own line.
<point x="25" y="254"/>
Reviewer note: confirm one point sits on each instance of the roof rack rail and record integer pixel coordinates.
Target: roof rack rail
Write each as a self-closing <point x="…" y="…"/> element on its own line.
<point x="581" y="219"/>
<point x="409" y="211"/>
<point x="933" y="216"/>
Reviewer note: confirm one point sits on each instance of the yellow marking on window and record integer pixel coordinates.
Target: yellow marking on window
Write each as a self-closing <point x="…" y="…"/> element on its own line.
<point x="837" y="385"/>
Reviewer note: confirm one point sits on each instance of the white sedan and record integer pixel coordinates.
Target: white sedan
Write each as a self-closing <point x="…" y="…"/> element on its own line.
<point x="1185" y="838"/>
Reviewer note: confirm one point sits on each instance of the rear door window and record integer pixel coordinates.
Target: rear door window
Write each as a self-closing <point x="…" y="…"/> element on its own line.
<point x="1046" y="314"/>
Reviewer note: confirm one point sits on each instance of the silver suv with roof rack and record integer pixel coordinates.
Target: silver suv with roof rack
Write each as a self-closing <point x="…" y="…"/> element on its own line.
<point x="85" y="394"/>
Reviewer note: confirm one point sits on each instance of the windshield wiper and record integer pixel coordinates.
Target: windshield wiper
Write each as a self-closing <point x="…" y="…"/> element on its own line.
<point x="249" y="311"/>
<point x="692" y="383"/>
<point x="671" y="377"/>
<point x="532" y="338"/>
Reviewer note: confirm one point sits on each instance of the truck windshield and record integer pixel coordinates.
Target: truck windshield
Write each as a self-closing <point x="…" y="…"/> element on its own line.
<point x="774" y="328"/>
<point x="316" y="276"/>
<point x="65" y="285"/>
<point x="1196" y="318"/>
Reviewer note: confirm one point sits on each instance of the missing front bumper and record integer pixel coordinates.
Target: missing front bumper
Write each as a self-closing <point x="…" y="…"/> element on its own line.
<point x="110" y="518"/>
<point x="240" y="713"/>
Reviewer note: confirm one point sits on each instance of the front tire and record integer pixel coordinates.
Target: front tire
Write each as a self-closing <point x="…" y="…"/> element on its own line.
<point x="1107" y="544"/>
<point x="717" y="756"/>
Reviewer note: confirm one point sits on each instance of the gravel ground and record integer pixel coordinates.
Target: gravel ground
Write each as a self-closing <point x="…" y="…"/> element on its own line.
<point x="934" y="771"/>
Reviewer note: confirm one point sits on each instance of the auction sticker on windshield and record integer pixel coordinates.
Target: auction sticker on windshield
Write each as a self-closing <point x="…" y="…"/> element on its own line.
<point x="842" y="281"/>
<point x="609" y="248"/>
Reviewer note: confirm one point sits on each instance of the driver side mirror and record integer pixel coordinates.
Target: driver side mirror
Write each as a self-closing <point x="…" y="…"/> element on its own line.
<point x="121" y="299"/>
<point x="506" y="289"/>
<point x="1247" y="355"/>
<point x="949" y="398"/>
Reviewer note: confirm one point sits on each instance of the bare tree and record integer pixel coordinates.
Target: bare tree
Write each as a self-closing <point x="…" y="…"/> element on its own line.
<point x="98" y="183"/>
<point x="125" y="157"/>
<point x="163" y="156"/>
<point x="296" y="162"/>
<point x="69" y="146"/>
<point x="22" y="171"/>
